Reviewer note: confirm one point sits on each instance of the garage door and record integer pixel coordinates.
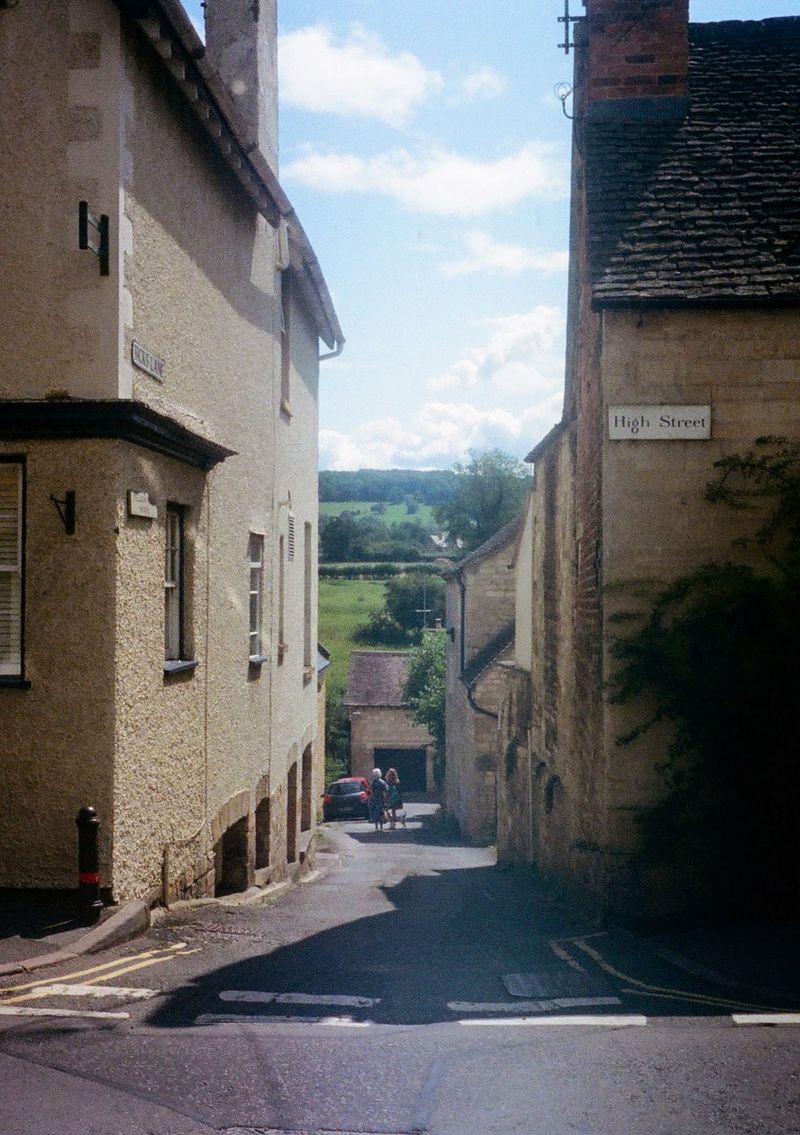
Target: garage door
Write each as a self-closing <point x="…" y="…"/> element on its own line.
<point x="410" y="765"/>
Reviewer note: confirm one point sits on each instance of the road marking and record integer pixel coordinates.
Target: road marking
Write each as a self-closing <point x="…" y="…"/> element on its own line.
<point x="642" y="987"/>
<point x="542" y="1006"/>
<point x="29" y="1011"/>
<point x="609" y="1022"/>
<point x="565" y="956"/>
<point x="162" y="953"/>
<point x="58" y="989"/>
<point x="766" y="1018"/>
<point x="264" y="1019"/>
<point x="342" y="1000"/>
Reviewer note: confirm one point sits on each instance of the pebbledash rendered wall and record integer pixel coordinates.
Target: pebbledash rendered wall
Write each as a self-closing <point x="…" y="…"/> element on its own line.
<point x="169" y="763"/>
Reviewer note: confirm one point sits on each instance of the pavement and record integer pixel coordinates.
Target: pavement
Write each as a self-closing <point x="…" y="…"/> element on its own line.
<point x="40" y="928"/>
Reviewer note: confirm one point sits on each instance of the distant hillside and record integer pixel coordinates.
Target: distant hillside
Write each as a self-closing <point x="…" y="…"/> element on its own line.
<point x="432" y="486"/>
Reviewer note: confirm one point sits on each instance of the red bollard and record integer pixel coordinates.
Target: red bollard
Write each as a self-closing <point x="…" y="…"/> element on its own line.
<point x="89" y="899"/>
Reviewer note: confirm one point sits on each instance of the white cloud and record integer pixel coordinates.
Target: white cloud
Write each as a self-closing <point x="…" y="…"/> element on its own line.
<point x="522" y="354"/>
<point x="438" y="436"/>
<point x="440" y="182"/>
<point x="520" y="364"/>
<point x="483" y="83"/>
<point x="487" y="255"/>
<point x="355" y="76"/>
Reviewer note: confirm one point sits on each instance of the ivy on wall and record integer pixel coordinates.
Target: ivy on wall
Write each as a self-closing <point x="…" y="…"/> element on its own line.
<point x="716" y="656"/>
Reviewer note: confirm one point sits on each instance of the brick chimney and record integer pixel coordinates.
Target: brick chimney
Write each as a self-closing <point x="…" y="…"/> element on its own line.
<point x="638" y="59"/>
<point x="242" y="45"/>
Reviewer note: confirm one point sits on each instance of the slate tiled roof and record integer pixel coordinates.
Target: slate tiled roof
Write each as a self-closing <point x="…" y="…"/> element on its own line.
<point x="376" y="678"/>
<point x="706" y="210"/>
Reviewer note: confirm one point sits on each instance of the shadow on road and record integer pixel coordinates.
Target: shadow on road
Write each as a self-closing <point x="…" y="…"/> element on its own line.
<point x="449" y="940"/>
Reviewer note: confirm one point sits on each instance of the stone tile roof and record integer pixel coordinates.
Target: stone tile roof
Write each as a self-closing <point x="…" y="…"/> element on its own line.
<point x="502" y="536"/>
<point x="488" y="654"/>
<point x="376" y="678"/>
<point x="705" y="210"/>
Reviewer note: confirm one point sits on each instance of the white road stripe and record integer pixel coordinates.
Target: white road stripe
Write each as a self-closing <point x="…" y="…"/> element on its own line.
<point x="264" y="1019"/>
<point x="29" y="1011"/>
<point x="766" y="1018"/>
<point x="129" y="993"/>
<point x="341" y="1000"/>
<point x="609" y="1022"/>
<point x="544" y="1006"/>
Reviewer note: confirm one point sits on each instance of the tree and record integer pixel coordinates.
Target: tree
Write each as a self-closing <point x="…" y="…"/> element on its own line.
<point x="424" y="692"/>
<point x="412" y="601"/>
<point x="490" y="491"/>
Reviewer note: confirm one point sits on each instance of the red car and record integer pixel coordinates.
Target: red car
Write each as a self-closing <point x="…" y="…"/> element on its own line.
<point x="347" y="796"/>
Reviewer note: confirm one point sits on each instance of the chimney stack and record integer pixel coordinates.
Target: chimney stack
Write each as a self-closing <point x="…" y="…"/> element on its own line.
<point x="242" y="45"/>
<point x="638" y="59"/>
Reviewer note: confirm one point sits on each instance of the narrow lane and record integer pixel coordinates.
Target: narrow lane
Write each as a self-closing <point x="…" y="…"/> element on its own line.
<point x="415" y="987"/>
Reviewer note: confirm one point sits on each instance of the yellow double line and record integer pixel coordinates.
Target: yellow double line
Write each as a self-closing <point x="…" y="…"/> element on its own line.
<point x="104" y="972"/>
<point x="643" y="989"/>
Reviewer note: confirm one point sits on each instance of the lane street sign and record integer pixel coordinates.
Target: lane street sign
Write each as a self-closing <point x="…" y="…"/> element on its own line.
<point x="659" y="423"/>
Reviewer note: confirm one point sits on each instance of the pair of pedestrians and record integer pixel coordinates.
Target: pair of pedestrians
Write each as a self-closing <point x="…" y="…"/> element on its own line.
<point x="386" y="800"/>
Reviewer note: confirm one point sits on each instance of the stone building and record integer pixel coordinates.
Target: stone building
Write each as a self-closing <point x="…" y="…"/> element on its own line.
<point x="382" y="732"/>
<point x="683" y="347"/>
<point x="160" y="323"/>
<point x="480" y="627"/>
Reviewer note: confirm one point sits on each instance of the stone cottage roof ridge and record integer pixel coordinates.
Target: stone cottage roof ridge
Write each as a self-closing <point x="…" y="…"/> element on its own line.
<point x="502" y="536"/>
<point x="705" y="210"/>
<point x="377" y="678"/>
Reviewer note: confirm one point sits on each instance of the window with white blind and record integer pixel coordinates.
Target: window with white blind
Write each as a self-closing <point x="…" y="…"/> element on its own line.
<point x="173" y="584"/>
<point x="11" y="488"/>
<point x="256" y="563"/>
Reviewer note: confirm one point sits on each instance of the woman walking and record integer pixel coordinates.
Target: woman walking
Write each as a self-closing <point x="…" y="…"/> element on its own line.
<point x="394" y="798"/>
<point x="377" y="799"/>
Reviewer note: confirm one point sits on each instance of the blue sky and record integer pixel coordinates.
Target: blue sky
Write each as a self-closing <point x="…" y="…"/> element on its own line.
<point x="426" y="152"/>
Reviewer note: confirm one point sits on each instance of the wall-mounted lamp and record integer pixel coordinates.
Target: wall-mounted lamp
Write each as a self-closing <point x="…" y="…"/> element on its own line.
<point x="66" y="507"/>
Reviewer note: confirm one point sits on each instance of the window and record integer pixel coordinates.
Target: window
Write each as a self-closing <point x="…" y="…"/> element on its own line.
<point x="256" y="561"/>
<point x="282" y="644"/>
<point x="11" y="497"/>
<point x="307" y="613"/>
<point x="174" y="584"/>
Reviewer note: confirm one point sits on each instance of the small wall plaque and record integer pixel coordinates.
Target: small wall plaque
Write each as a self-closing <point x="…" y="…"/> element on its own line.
<point x="139" y="504"/>
<point x="148" y="362"/>
<point x="659" y="423"/>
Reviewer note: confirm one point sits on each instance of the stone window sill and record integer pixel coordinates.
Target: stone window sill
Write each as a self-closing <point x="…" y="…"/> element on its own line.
<point x="179" y="665"/>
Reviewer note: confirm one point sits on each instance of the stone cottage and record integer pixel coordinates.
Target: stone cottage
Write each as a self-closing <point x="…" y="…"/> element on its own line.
<point x="382" y="732"/>
<point x="480" y="628"/>
<point x="682" y="348"/>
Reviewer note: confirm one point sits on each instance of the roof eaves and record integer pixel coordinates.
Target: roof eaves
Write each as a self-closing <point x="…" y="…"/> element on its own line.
<point x="183" y="55"/>
<point x="549" y="438"/>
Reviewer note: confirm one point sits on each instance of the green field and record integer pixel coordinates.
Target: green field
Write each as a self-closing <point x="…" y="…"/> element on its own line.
<point x="344" y="604"/>
<point x="392" y="514"/>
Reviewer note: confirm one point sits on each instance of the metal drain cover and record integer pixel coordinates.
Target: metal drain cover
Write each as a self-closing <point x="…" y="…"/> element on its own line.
<point x="554" y="982"/>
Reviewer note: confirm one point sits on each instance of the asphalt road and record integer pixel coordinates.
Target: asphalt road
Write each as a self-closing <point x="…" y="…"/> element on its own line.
<point x="414" y="987"/>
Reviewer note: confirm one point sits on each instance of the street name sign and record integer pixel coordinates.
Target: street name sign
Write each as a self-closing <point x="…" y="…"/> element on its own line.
<point x="659" y="423"/>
